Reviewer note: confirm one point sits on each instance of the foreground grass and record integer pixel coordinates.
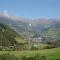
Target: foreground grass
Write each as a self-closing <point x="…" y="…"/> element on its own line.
<point x="51" y="54"/>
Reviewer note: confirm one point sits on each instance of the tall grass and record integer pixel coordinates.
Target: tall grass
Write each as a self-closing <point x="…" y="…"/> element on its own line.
<point x="8" y="56"/>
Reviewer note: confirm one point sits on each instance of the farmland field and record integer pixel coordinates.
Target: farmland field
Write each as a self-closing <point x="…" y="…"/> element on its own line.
<point x="51" y="54"/>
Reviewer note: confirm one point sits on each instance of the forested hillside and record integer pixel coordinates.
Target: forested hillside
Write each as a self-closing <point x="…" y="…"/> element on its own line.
<point x="8" y="37"/>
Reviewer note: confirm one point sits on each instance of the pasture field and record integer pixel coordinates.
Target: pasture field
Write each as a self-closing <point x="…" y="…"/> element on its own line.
<point x="51" y="54"/>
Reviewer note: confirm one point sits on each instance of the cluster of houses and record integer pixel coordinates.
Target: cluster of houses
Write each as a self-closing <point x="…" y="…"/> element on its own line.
<point x="34" y="39"/>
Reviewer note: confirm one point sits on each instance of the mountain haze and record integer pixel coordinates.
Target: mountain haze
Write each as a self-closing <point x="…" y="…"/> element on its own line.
<point x="22" y="24"/>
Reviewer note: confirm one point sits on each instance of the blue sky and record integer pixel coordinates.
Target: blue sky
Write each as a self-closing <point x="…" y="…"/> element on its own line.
<point x="32" y="8"/>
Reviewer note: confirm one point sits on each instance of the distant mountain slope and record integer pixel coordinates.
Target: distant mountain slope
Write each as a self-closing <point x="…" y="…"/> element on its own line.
<point x="21" y="25"/>
<point x="53" y="31"/>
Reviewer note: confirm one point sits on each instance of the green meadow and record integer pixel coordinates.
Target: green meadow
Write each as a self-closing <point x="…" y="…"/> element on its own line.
<point x="50" y="54"/>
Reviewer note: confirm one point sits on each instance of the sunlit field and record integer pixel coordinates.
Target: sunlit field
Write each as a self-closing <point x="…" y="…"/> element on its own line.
<point x="48" y="53"/>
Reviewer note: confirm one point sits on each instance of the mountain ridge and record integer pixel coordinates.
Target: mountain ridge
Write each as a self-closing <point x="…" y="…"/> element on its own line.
<point x="36" y="24"/>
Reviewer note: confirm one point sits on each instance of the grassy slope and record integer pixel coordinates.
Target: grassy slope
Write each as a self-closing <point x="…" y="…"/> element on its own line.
<point x="49" y="53"/>
<point x="19" y="40"/>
